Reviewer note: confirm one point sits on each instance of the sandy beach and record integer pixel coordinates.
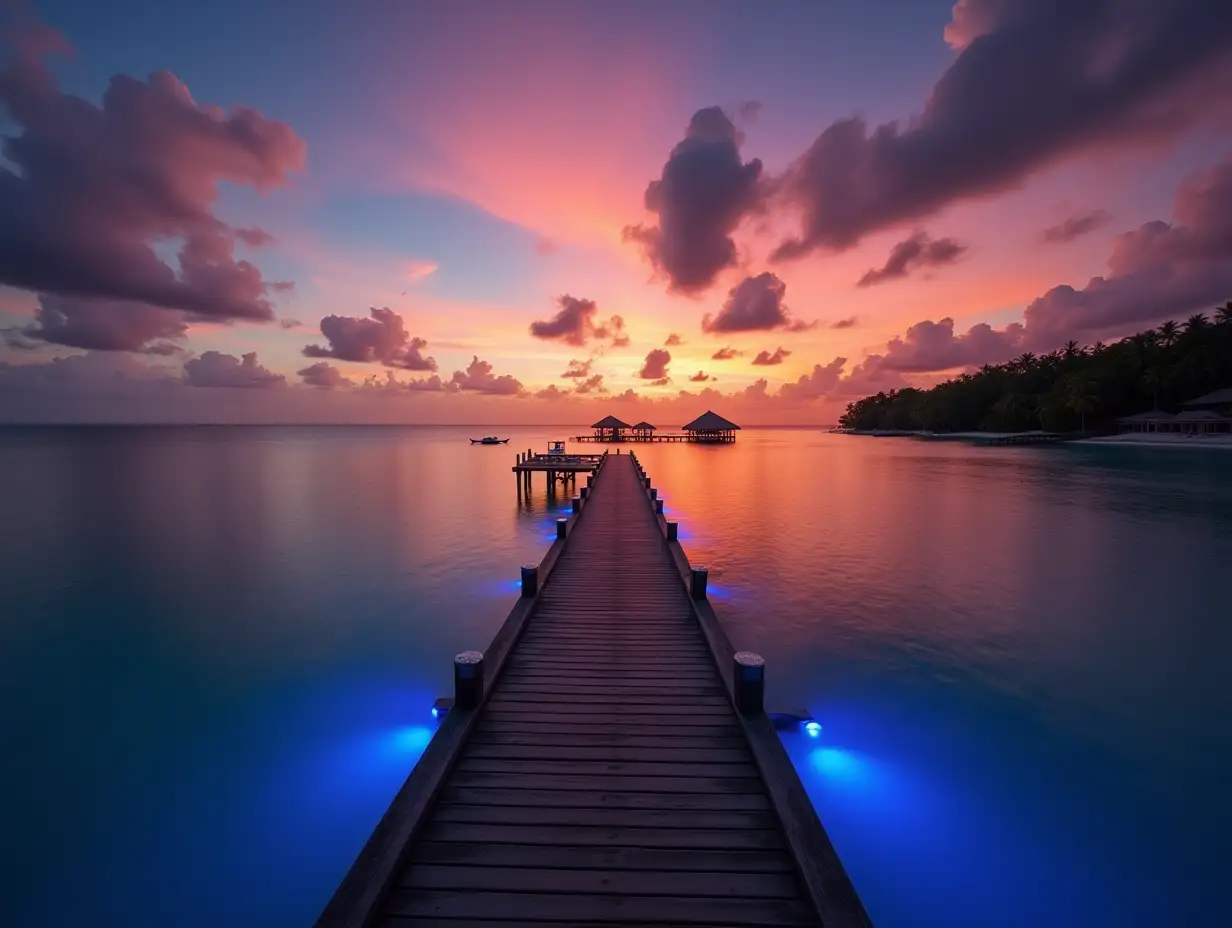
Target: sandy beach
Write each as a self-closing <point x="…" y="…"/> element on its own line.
<point x="1162" y="440"/>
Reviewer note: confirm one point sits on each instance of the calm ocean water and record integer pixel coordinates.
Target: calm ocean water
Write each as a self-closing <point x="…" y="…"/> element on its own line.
<point x="218" y="649"/>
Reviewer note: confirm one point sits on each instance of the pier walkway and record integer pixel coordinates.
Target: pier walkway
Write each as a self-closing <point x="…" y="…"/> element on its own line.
<point x="606" y="775"/>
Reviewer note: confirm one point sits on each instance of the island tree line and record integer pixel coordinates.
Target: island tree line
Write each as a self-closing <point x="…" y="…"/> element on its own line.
<point x="1074" y="388"/>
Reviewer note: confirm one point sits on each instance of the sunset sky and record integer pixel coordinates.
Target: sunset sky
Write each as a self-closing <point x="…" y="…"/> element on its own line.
<point x="518" y="212"/>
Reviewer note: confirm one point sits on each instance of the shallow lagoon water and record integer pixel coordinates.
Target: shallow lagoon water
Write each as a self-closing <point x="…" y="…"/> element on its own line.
<point x="219" y="646"/>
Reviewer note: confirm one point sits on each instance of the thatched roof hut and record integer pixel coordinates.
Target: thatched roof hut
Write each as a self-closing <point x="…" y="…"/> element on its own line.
<point x="610" y="423"/>
<point x="710" y="422"/>
<point x="643" y="426"/>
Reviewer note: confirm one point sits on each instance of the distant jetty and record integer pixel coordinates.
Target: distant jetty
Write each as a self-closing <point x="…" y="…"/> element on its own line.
<point x="707" y="429"/>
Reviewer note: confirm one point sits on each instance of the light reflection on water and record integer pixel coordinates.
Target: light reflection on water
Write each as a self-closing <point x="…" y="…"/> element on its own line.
<point x="234" y="637"/>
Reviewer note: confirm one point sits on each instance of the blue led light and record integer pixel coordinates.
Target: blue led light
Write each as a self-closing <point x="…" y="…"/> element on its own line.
<point x="813" y="728"/>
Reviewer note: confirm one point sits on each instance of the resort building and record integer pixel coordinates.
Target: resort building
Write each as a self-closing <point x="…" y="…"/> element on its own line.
<point x="711" y="427"/>
<point x="1206" y="415"/>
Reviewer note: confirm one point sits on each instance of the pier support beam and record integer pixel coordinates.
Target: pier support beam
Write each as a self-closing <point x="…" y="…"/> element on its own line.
<point x="673" y="531"/>
<point x="562" y="528"/>
<point x="530" y="579"/>
<point x="576" y="503"/>
<point x="659" y="506"/>
<point x="748" y="681"/>
<point x="697" y="582"/>
<point x="468" y="680"/>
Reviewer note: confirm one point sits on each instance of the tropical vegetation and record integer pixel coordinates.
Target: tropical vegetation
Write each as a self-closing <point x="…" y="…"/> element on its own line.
<point x="1074" y="388"/>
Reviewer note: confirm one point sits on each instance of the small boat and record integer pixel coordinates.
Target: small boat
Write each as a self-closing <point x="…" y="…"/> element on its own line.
<point x="489" y="440"/>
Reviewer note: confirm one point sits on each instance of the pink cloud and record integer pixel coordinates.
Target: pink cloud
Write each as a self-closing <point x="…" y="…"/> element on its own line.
<point x="382" y="338"/>
<point x="577" y="322"/>
<point x="756" y="304"/>
<point x="216" y="369"/>
<point x="93" y="188"/>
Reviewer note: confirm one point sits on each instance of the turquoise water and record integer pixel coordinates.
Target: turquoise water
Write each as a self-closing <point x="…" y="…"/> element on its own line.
<point x="218" y="648"/>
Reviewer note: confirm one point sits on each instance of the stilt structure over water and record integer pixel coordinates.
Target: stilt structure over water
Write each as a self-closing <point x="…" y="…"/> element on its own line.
<point x="606" y="761"/>
<point x="709" y="428"/>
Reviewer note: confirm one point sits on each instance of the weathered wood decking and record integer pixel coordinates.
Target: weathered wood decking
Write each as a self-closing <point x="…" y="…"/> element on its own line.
<point x="607" y="778"/>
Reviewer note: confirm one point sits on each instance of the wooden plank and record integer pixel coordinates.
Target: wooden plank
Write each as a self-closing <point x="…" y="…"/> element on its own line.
<point x="555" y="908"/>
<point x="551" y="736"/>
<point x="598" y="799"/>
<point x="602" y="858"/>
<point x="623" y="768"/>
<point x="609" y="753"/>
<point x="707" y="819"/>
<point x="704" y="783"/>
<point x="603" y="836"/>
<point x="665" y="726"/>
<point x="615" y="701"/>
<point x="600" y="881"/>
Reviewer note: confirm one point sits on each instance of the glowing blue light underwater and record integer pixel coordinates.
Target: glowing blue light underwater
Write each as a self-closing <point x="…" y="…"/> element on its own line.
<point x="812" y="728"/>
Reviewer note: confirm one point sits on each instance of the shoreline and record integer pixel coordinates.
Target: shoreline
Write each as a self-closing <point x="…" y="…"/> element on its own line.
<point x="1145" y="440"/>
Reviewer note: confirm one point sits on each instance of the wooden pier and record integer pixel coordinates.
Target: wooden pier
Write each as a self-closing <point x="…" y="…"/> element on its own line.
<point x="559" y="468"/>
<point x="691" y="437"/>
<point x="606" y="761"/>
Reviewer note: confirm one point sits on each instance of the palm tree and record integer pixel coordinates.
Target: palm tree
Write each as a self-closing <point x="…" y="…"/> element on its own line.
<point x="1098" y="348"/>
<point x="1153" y="378"/>
<point x="1168" y="333"/>
<point x="1071" y="351"/>
<point x="1080" y="398"/>
<point x="1223" y="315"/>
<point x="1195" y="323"/>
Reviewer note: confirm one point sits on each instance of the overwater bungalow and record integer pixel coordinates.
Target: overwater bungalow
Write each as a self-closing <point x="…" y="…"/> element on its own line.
<point x="711" y="427"/>
<point x="643" y="430"/>
<point x="609" y="428"/>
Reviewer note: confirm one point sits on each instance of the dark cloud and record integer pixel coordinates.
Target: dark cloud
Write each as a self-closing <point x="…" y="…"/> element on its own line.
<point x="215" y="369"/>
<point x="673" y="341"/>
<point x="849" y="323"/>
<point x="592" y="384"/>
<point x="324" y="375"/>
<point x="478" y="377"/>
<point x="705" y="190"/>
<point x="700" y="377"/>
<point x="105" y="325"/>
<point x="766" y="358"/>
<point x="655" y="366"/>
<point x="577" y="369"/>
<point x="912" y="254"/>
<point x="1076" y="227"/>
<point x="382" y="339"/>
<point x="1034" y="80"/>
<point x="577" y="322"/>
<point x="725" y="354"/>
<point x="755" y="305"/>
<point x="86" y="192"/>
<point x="1160" y="270"/>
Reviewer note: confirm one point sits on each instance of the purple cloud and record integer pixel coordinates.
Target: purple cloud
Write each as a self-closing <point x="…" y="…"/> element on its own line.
<point x="215" y="369"/>
<point x="766" y="359"/>
<point x="89" y="190"/>
<point x="577" y="369"/>
<point x="912" y="254"/>
<point x="1075" y="227"/>
<point x="324" y="375"/>
<point x="592" y="384"/>
<point x="700" y="377"/>
<point x="755" y="305"/>
<point x="655" y="366"/>
<point x="726" y="354"/>
<point x="1115" y="71"/>
<point x="673" y="341"/>
<point x="706" y="189"/>
<point x="576" y="323"/>
<point x="382" y="339"/>
<point x="105" y="325"/>
<point x="478" y="377"/>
